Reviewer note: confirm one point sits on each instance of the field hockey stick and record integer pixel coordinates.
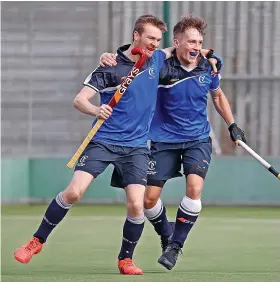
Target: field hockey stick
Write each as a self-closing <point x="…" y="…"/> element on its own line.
<point x="114" y="100"/>
<point x="268" y="166"/>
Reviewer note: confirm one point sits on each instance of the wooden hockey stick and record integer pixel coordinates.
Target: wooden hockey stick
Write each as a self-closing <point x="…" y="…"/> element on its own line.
<point x="114" y="100"/>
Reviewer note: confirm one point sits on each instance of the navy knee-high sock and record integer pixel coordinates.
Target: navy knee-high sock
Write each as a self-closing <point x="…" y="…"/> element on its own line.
<point x="187" y="215"/>
<point x="157" y="217"/>
<point x="55" y="212"/>
<point x="132" y="231"/>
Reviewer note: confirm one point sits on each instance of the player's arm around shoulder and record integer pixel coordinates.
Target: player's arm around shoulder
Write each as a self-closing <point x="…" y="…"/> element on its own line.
<point x="168" y="51"/>
<point x="215" y="61"/>
<point x="83" y="104"/>
<point x="161" y="55"/>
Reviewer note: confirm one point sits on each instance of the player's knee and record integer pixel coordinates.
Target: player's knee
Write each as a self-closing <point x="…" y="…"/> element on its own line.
<point x="71" y="195"/>
<point x="194" y="192"/>
<point x="150" y="201"/>
<point x="194" y="187"/>
<point x="135" y="208"/>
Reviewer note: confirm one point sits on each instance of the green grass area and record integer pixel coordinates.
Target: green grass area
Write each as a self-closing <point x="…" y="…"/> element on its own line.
<point x="227" y="244"/>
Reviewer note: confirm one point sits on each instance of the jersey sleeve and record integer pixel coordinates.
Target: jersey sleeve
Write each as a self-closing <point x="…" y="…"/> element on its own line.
<point x="99" y="79"/>
<point x="215" y="84"/>
<point x="159" y="58"/>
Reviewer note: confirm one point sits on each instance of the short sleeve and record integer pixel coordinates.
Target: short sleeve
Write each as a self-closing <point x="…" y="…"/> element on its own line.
<point x="159" y="57"/>
<point x="99" y="79"/>
<point x="215" y="84"/>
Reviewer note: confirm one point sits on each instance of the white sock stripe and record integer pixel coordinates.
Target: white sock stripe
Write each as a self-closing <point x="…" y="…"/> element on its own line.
<point x="160" y="212"/>
<point x="190" y="206"/>
<point x="137" y="219"/>
<point x="154" y="212"/>
<point x="187" y="211"/>
<point x="61" y="202"/>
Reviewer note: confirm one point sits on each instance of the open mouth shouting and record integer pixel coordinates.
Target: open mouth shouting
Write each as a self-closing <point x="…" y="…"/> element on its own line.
<point x="150" y="50"/>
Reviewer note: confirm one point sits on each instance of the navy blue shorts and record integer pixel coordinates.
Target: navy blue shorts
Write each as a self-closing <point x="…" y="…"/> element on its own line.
<point x="131" y="163"/>
<point x="167" y="158"/>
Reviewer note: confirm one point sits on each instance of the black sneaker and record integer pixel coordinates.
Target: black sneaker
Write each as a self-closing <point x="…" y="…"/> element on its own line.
<point x="166" y="240"/>
<point x="169" y="257"/>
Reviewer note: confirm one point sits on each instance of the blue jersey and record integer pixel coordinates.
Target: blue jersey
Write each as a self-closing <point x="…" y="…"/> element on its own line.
<point x="130" y="121"/>
<point x="181" y="110"/>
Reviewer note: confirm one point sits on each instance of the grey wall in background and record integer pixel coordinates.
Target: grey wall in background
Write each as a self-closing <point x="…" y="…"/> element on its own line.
<point x="49" y="48"/>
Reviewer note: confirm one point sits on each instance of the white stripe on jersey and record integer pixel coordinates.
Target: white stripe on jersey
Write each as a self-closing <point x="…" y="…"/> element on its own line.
<point x="169" y="86"/>
<point x="91" y="86"/>
<point x="86" y="82"/>
<point x="110" y="88"/>
<point x="89" y="76"/>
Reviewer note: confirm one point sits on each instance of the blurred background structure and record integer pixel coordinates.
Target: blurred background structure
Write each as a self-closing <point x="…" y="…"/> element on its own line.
<point x="49" y="48"/>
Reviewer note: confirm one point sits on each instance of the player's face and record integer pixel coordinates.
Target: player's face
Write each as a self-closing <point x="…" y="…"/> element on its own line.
<point x="149" y="40"/>
<point x="188" y="46"/>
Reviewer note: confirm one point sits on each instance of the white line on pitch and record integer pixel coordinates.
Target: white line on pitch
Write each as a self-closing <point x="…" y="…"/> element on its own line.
<point x="122" y="218"/>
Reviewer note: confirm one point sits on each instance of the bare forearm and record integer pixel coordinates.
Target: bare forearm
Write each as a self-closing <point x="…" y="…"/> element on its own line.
<point x="168" y="51"/>
<point x="84" y="106"/>
<point x="223" y="108"/>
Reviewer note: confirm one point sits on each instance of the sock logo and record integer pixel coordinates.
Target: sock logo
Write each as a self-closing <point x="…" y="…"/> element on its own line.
<point x="48" y="222"/>
<point x="130" y="242"/>
<point x="159" y="221"/>
<point x="185" y="220"/>
<point x="204" y="161"/>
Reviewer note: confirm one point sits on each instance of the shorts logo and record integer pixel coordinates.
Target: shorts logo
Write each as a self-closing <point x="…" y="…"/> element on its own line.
<point x="201" y="79"/>
<point x="205" y="162"/>
<point x="152" y="167"/>
<point x="151" y="73"/>
<point x="201" y="168"/>
<point x="82" y="161"/>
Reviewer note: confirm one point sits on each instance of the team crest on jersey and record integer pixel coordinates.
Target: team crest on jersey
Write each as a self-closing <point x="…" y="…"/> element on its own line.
<point x="151" y="73"/>
<point x="201" y="78"/>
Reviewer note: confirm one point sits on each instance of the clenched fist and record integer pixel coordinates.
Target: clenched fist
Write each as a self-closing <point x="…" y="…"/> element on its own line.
<point x="105" y="111"/>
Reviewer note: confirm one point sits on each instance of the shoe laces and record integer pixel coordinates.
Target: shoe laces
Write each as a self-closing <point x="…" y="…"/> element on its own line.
<point x="176" y="249"/>
<point x="32" y="245"/>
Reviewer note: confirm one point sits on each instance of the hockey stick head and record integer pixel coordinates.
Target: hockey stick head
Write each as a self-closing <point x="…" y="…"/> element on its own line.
<point x="138" y="51"/>
<point x="143" y="57"/>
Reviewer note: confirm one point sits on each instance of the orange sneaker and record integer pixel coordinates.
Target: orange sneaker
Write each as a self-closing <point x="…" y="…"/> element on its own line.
<point x="127" y="267"/>
<point x="24" y="253"/>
